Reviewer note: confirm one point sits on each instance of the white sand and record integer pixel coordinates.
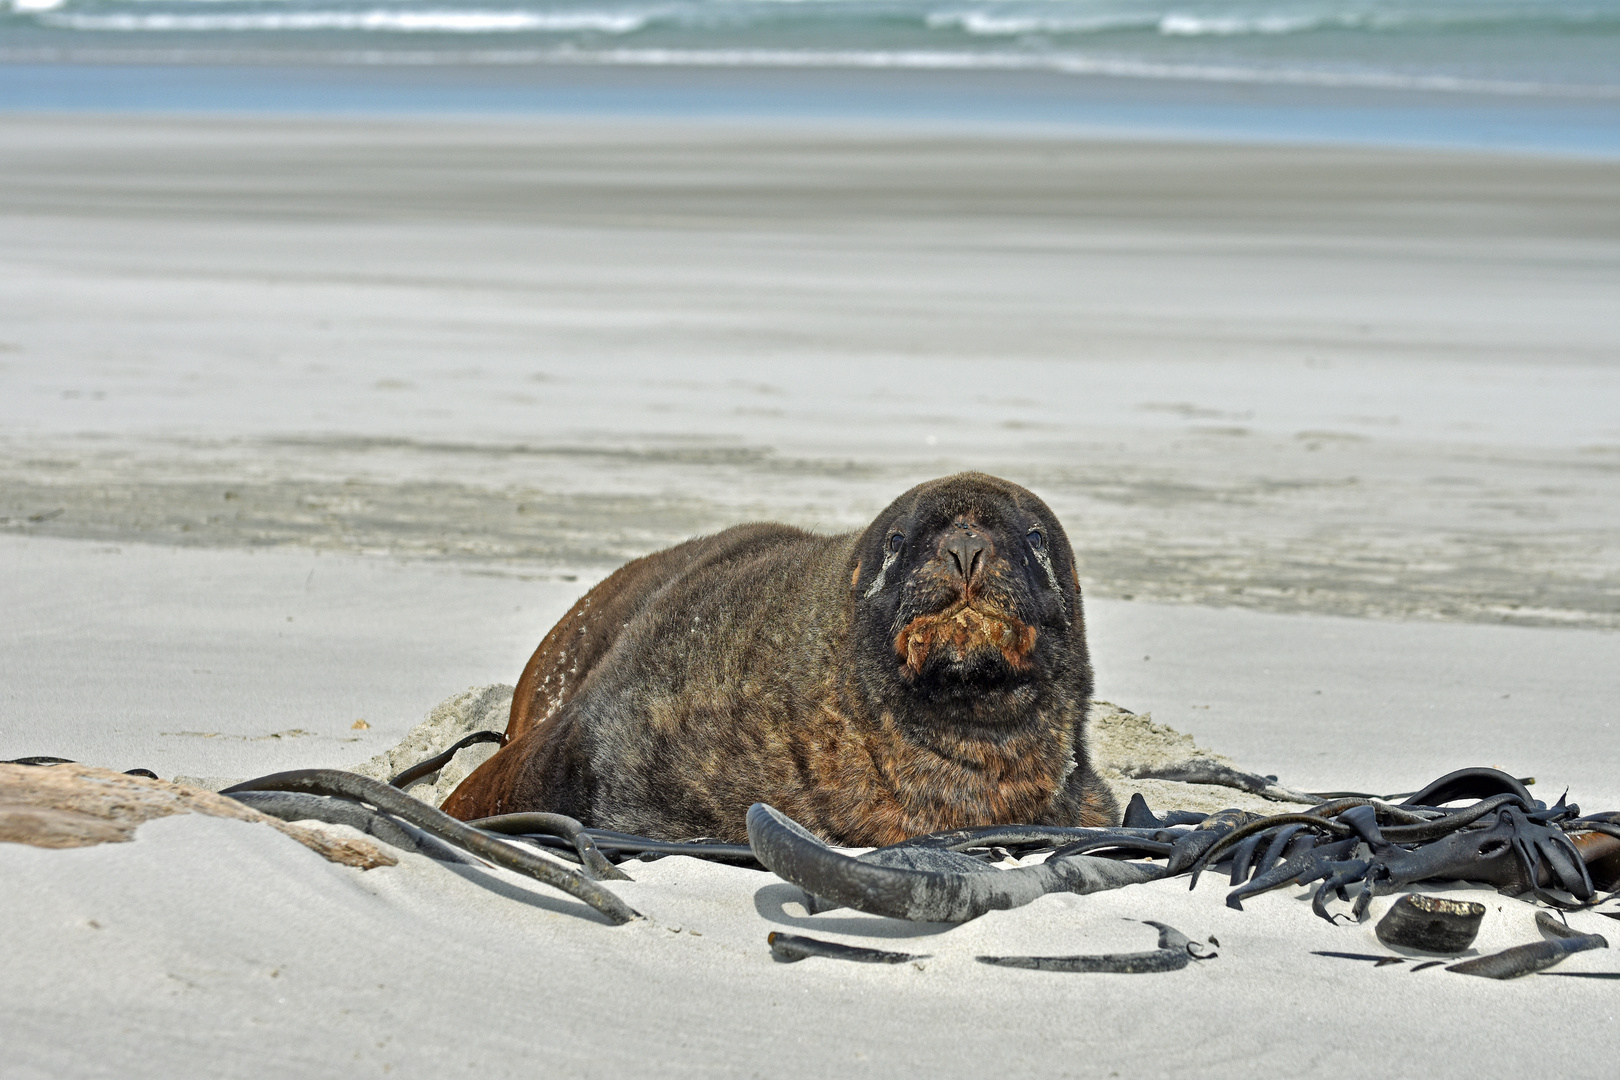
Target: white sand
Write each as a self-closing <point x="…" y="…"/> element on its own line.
<point x="339" y="417"/>
<point x="216" y="946"/>
<point x="222" y="943"/>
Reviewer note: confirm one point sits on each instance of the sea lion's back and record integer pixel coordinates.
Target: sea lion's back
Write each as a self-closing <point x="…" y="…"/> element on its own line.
<point x="537" y="753"/>
<point x="571" y="651"/>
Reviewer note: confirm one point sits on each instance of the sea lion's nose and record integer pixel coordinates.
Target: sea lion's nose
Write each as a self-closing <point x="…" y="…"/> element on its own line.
<point x="965" y="549"/>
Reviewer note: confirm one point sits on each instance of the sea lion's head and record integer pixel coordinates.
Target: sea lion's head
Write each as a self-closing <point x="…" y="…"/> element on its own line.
<point x="967" y="603"/>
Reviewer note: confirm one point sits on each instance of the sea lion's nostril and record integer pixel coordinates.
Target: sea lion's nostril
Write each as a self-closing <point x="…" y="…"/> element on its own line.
<point x="967" y="552"/>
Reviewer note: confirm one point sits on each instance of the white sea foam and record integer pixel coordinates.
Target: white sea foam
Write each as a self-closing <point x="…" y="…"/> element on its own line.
<point x="1072" y="64"/>
<point x="441" y="21"/>
<point x="1180" y="25"/>
<point x="995" y="23"/>
<point x="1541" y="48"/>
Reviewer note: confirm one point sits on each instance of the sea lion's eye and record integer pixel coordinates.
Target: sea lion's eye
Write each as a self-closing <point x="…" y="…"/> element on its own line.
<point x="1035" y="539"/>
<point x="896" y="540"/>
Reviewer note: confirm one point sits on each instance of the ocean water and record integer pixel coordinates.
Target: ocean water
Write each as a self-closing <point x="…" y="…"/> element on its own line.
<point x="1565" y="48"/>
<point x="1516" y="67"/>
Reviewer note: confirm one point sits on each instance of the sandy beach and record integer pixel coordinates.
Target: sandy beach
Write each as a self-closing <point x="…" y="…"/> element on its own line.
<point x="311" y="421"/>
<point x="1316" y="380"/>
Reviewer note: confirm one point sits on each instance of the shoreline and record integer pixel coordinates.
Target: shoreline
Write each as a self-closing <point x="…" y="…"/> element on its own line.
<point x="1021" y="101"/>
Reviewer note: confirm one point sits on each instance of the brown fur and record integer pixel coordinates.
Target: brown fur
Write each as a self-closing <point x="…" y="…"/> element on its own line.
<point x="962" y="630"/>
<point x="768" y="664"/>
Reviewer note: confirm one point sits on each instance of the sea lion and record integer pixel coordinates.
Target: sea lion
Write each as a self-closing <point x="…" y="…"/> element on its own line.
<point x="929" y="672"/>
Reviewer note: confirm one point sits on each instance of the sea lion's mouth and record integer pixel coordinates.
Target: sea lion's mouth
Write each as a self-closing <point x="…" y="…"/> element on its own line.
<point x="963" y="635"/>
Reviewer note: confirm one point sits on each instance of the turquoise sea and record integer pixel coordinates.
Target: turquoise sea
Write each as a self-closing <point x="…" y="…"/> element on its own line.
<point x="1529" y="73"/>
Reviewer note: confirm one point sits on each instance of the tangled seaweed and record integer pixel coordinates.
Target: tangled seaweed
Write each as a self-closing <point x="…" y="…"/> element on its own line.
<point x="351" y="788"/>
<point x="1351" y="846"/>
<point x="1505" y="838"/>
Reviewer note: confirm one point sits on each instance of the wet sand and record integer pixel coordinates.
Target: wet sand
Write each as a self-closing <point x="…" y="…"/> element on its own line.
<point x="1359" y="382"/>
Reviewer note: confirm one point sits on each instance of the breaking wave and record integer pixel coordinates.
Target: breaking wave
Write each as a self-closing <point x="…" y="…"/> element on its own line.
<point x="1566" y="48"/>
<point x="444" y="21"/>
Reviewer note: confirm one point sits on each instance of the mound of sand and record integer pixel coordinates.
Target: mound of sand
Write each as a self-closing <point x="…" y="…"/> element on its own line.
<point x="479" y="708"/>
<point x="1126" y="748"/>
